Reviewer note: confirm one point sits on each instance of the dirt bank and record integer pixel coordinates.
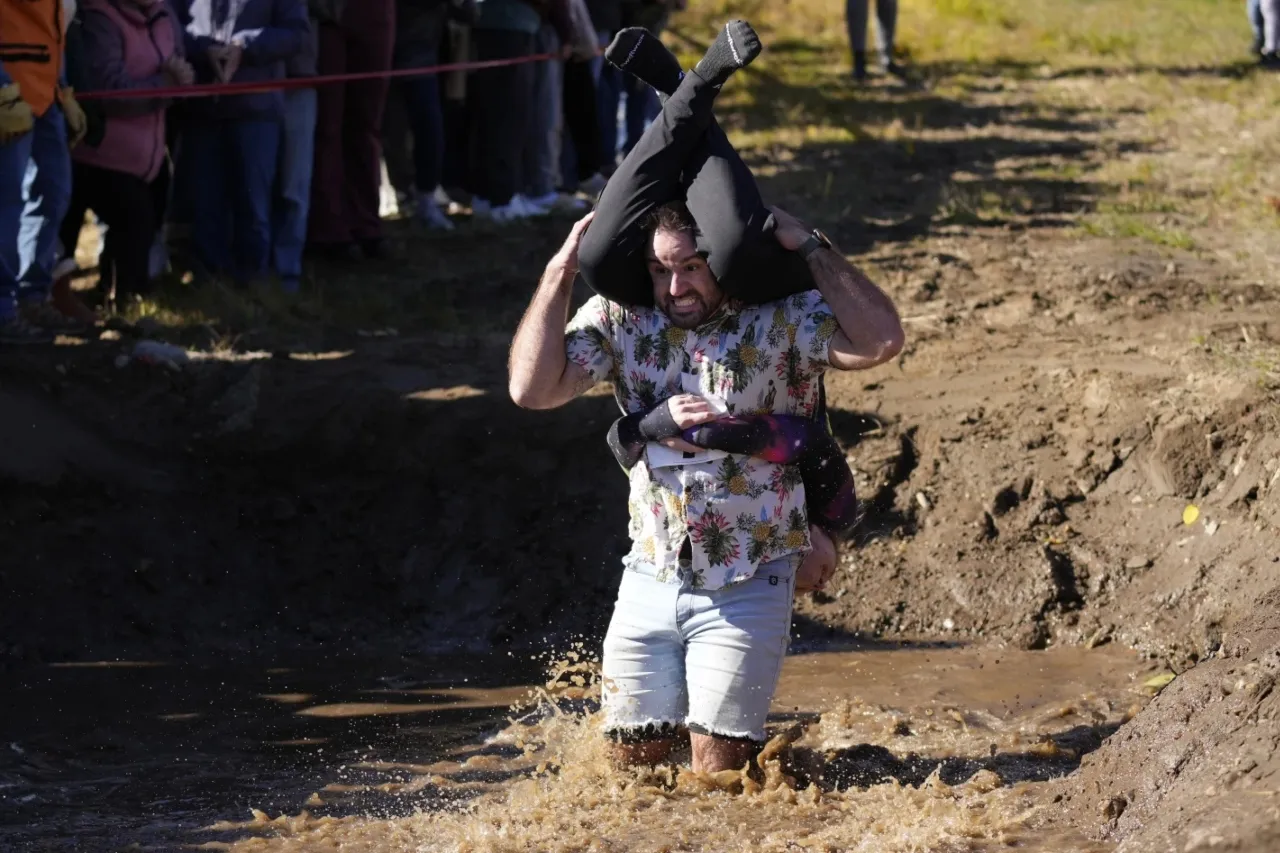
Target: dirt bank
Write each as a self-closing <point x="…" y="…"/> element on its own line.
<point x="1198" y="768"/>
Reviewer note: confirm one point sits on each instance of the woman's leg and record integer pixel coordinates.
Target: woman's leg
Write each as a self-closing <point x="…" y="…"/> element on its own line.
<point x="855" y="19"/>
<point x="736" y="229"/>
<point x="611" y="258"/>
<point x="886" y="28"/>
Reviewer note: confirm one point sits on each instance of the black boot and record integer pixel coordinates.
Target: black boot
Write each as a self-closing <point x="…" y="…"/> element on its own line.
<point x="859" y="65"/>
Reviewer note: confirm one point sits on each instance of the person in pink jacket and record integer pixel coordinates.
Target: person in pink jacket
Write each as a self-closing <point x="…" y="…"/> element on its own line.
<point x="128" y="45"/>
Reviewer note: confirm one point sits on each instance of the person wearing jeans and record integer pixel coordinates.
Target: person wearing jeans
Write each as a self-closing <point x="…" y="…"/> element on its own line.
<point x="420" y="34"/>
<point x="292" y="197"/>
<point x="856" y="14"/>
<point x="35" y="162"/>
<point x="232" y="142"/>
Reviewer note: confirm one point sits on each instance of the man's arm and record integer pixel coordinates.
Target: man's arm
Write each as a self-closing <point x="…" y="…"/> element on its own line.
<point x="540" y="375"/>
<point x="870" y="331"/>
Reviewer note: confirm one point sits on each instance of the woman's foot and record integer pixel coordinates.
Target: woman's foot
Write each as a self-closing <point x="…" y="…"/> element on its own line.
<point x="734" y="48"/>
<point x="639" y="53"/>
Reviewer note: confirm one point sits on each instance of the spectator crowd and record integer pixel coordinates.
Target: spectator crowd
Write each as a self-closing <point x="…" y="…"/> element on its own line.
<point x="256" y="180"/>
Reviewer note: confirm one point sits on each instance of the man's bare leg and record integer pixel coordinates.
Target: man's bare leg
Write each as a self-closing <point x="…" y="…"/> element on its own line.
<point x="644" y="754"/>
<point x="712" y="754"/>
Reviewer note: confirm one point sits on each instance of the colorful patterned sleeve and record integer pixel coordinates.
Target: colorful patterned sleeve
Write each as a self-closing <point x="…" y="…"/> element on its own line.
<point x="815" y="324"/>
<point x="589" y="340"/>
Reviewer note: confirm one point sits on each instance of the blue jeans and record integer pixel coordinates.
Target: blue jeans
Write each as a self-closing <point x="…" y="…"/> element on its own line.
<point x="293" y="193"/>
<point x="1253" y="8"/>
<point x="233" y="170"/>
<point x="542" y="154"/>
<point x="426" y="121"/>
<point x="35" y="192"/>
<point x="706" y="659"/>
<point x="613" y="87"/>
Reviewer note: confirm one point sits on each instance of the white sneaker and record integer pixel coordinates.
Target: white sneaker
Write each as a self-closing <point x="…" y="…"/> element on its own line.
<point x="527" y="205"/>
<point x="430" y="214"/>
<point x="511" y="211"/>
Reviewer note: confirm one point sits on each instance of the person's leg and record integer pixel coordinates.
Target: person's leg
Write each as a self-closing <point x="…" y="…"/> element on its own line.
<point x="608" y="95"/>
<point x="426" y="117"/>
<point x="542" y="154"/>
<point x="642" y="671"/>
<point x="611" y="256"/>
<point x="856" y="13"/>
<point x="255" y="149"/>
<point x="1270" y="26"/>
<point x="886" y="29"/>
<point x="371" y="40"/>
<point x="47" y="190"/>
<point x="735" y="640"/>
<point x="502" y="104"/>
<point x="73" y="222"/>
<point x="124" y="202"/>
<point x="206" y="151"/>
<point x="293" y="196"/>
<point x="1253" y="9"/>
<point x="397" y="151"/>
<point x="327" y="219"/>
<point x="581" y="120"/>
<point x="736" y="228"/>
<point x="642" y="107"/>
<point x="14" y="157"/>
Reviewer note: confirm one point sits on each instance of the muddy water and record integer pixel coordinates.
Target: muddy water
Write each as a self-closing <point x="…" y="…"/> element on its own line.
<point x="880" y="748"/>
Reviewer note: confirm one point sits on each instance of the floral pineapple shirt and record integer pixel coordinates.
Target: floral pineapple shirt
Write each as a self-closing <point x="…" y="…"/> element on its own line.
<point x="737" y="511"/>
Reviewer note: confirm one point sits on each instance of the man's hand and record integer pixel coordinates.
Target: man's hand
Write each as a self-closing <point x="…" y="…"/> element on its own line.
<point x="791" y="232"/>
<point x="225" y="59"/>
<point x="870" y="332"/>
<point x="567" y="257"/>
<point x="77" y="124"/>
<point x="178" y="71"/>
<point x="16" y="117"/>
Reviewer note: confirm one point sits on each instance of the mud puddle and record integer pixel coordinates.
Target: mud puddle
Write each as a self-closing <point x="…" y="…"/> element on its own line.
<point x="886" y="747"/>
<point x="104" y="755"/>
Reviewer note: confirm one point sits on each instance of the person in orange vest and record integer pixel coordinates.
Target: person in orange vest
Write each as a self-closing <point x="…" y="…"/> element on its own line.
<point x="39" y="121"/>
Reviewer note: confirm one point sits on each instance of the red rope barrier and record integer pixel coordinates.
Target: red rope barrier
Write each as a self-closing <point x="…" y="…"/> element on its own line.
<point x="206" y="90"/>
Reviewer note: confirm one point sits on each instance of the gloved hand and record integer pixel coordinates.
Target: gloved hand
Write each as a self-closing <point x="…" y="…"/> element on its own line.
<point x="77" y="124"/>
<point x="16" y="117"/>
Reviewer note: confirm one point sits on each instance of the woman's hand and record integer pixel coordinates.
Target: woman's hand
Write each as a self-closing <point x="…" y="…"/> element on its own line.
<point x="689" y="410"/>
<point x="819" y="564"/>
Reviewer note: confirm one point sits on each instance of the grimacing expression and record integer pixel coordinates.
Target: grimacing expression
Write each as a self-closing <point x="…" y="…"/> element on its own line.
<point x="684" y="287"/>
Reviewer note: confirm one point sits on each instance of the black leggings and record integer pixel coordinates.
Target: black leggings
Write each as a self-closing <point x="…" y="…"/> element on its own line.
<point x="685" y="155"/>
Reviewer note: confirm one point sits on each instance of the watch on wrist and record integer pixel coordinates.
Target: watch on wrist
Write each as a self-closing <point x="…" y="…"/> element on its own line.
<point x="817" y="240"/>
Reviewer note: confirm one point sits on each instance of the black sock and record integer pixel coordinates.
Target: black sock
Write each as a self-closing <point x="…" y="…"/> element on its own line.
<point x="734" y="48"/>
<point x="640" y="53"/>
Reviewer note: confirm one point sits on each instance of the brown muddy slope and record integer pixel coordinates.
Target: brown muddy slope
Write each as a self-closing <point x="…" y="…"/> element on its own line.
<point x="1026" y="464"/>
<point x="1199" y="767"/>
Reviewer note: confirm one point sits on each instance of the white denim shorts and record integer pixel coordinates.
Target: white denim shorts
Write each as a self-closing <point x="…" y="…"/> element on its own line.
<point x="705" y="659"/>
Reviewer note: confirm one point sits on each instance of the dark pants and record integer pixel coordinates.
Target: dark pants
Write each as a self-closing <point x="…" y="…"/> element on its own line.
<point x="684" y="155"/>
<point x="499" y="101"/>
<point x="348" y="156"/>
<point x="132" y="210"/>
<point x="426" y="121"/>
<point x="233" y="169"/>
<point x="581" y="157"/>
